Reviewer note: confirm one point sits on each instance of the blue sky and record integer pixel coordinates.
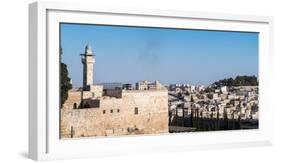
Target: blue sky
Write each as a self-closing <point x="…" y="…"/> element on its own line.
<point x="130" y="54"/>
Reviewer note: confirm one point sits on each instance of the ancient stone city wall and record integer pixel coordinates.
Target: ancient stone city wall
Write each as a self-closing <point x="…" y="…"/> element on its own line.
<point x="137" y="112"/>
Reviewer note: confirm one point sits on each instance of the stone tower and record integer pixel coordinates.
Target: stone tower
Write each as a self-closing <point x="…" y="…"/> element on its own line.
<point x="88" y="61"/>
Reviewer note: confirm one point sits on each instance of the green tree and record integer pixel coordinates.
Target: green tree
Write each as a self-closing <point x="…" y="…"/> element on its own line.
<point x="65" y="84"/>
<point x="191" y="117"/>
<point x="197" y="119"/>
<point x="225" y="119"/>
<point x="191" y="99"/>
<point x="218" y="115"/>
<point x="239" y="122"/>
<point x="238" y="81"/>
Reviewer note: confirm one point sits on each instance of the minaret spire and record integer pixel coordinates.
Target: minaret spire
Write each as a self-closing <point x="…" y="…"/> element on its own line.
<point x="88" y="61"/>
<point x="88" y="49"/>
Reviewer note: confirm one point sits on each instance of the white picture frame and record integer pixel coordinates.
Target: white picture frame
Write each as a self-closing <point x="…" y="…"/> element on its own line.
<point x="44" y="19"/>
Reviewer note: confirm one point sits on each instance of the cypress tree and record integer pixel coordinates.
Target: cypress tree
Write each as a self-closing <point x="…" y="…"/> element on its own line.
<point x="65" y="84"/>
<point x="239" y="122"/>
<point x="191" y="118"/>
<point x="197" y="118"/>
<point x="218" y="119"/>
<point x="225" y="119"/>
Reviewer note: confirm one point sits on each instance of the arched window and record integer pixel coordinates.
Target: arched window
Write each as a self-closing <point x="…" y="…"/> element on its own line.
<point x="136" y="110"/>
<point x="75" y="106"/>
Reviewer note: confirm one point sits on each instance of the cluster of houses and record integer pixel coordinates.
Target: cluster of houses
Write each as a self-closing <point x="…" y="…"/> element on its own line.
<point x="209" y="102"/>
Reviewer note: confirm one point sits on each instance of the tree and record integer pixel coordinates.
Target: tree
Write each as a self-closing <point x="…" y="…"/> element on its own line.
<point x="218" y="116"/>
<point x="197" y="119"/>
<point x="218" y="120"/>
<point x="238" y="81"/>
<point x="65" y="84"/>
<point x="233" y="121"/>
<point x="191" y="99"/>
<point x="239" y="122"/>
<point x="225" y="119"/>
<point x="191" y="117"/>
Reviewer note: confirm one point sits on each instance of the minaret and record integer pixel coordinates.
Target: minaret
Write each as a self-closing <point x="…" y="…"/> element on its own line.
<point x="88" y="61"/>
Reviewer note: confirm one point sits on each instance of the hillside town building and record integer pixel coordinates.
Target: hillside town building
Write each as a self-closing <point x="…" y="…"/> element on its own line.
<point x="237" y="104"/>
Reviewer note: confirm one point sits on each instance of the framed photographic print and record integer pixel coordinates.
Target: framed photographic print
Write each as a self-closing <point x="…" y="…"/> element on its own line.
<point x="110" y="81"/>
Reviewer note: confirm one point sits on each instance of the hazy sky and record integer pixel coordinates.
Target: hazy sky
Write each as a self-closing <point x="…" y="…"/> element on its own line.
<point x="130" y="54"/>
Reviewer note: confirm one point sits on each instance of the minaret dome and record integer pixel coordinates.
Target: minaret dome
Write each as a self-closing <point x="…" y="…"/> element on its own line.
<point x="88" y="49"/>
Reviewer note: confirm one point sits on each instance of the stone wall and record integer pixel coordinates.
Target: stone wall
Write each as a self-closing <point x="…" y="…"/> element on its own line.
<point x="97" y="90"/>
<point x="93" y="91"/>
<point x="74" y="98"/>
<point x="137" y="112"/>
<point x="113" y="93"/>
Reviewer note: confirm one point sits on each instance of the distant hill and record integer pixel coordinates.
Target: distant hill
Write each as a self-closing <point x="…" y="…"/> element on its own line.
<point x="238" y="81"/>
